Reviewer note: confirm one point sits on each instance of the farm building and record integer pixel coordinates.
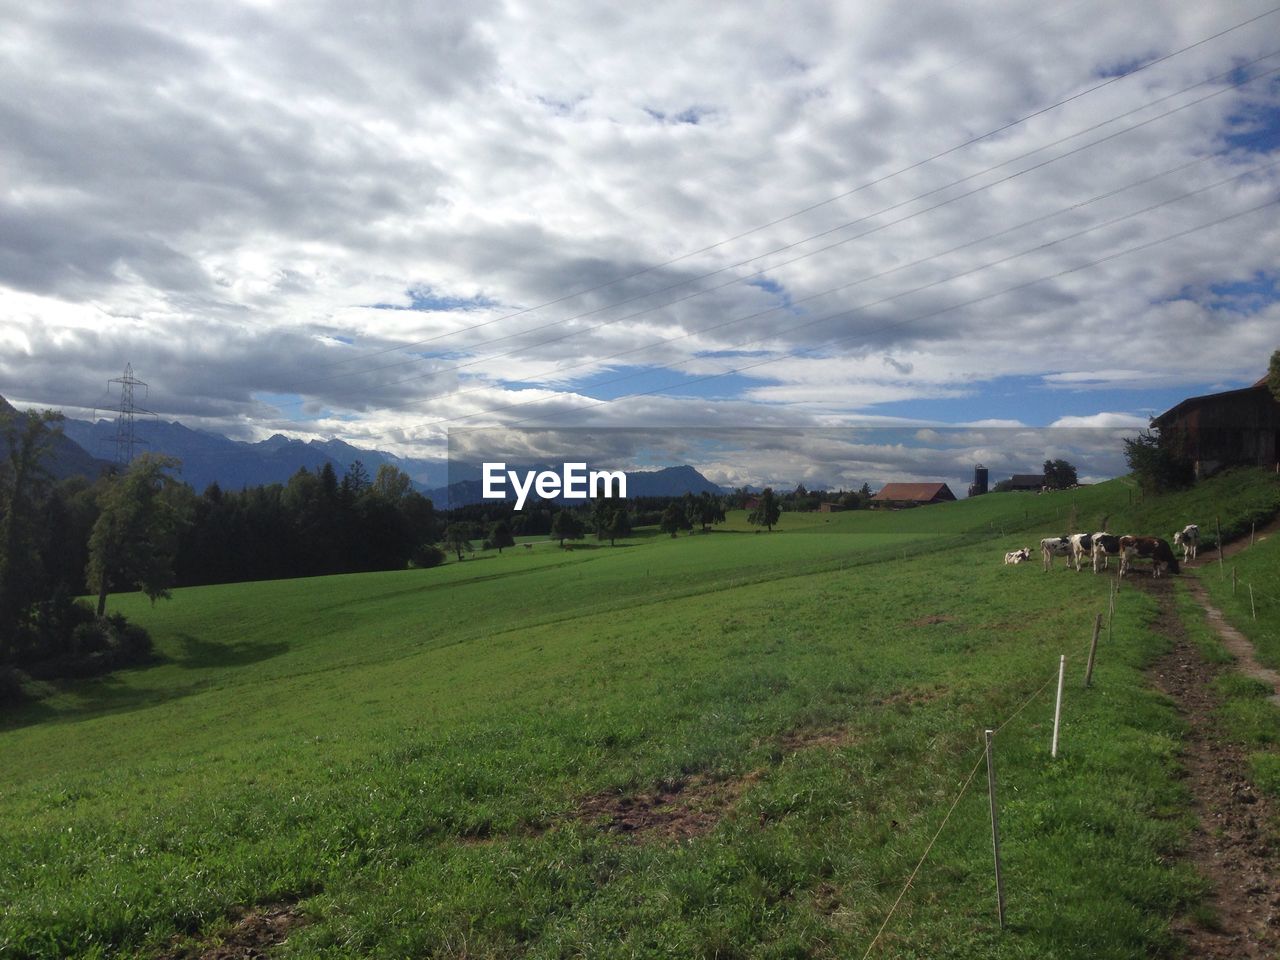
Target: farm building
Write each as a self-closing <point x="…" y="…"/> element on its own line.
<point x="1226" y="429"/>
<point x="1025" y="481"/>
<point x="912" y="494"/>
<point x="828" y="507"/>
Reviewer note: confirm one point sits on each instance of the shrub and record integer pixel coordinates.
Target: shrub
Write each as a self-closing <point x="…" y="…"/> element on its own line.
<point x="11" y="686"/>
<point x="426" y="556"/>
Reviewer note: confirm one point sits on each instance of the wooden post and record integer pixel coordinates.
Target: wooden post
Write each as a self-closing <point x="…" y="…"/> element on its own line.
<point x="1217" y="524"/>
<point x="1252" y="609"/>
<point x="1253" y="529"/>
<point x="1233" y="581"/>
<point x="995" y="825"/>
<point x="1057" y="707"/>
<point x="1093" y="650"/>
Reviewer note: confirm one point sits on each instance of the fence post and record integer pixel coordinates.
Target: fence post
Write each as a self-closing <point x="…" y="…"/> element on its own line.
<point x="1252" y="609"/>
<point x="1233" y="581"/>
<point x="1253" y="529"/>
<point x="995" y="824"/>
<point x="1217" y="525"/>
<point x="1093" y="650"/>
<point x="1057" y="707"/>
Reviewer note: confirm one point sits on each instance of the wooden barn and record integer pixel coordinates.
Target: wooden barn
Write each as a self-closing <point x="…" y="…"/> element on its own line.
<point x="912" y="494"/>
<point x="1236" y="427"/>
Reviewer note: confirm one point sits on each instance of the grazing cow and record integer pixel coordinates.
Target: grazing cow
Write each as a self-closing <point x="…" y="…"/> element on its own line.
<point x="1189" y="538"/>
<point x="1081" y="546"/>
<point x="1051" y="546"/>
<point x="1105" y="546"/>
<point x="1017" y="556"/>
<point x="1152" y="548"/>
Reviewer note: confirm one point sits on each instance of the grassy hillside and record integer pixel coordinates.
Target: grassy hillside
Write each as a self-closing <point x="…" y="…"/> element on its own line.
<point x="427" y="759"/>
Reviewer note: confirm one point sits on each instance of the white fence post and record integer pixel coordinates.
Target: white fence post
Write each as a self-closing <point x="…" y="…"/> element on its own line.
<point x="1057" y="707"/>
<point x="995" y="825"/>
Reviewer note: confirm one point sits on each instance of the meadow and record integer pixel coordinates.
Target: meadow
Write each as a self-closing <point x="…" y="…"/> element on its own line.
<point x="423" y="761"/>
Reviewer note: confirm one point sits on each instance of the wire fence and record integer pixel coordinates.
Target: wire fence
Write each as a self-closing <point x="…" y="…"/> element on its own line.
<point x="1108" y="616"/>
<point x="1113" y="593"/>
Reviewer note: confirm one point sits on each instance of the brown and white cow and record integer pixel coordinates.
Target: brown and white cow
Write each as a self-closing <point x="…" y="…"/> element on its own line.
<point x="1189" y="539"/>
<point x="1150" y="548"/>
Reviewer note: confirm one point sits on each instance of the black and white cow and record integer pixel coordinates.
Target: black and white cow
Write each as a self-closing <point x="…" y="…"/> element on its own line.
<point x="1105" y="546"/>
<point x="1018" y="556"/>
<point x="1189" y="539"/>
<point x="1054" y="546"/>
<point x="1081" y="546"/>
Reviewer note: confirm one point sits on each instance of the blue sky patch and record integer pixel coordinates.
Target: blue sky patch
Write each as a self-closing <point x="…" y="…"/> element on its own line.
<point x="426" y="300"/>
<point x="1033" y="402"/>
<point x="1256" y="128"/>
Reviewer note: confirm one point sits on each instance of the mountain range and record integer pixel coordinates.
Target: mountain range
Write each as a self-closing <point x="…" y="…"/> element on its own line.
<point x="88" y="448"/>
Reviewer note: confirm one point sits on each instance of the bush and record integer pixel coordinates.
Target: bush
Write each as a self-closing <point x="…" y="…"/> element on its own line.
<point x="65" y="639"/>
<point x="11" y="686"/>
<point x="427" y="556"/>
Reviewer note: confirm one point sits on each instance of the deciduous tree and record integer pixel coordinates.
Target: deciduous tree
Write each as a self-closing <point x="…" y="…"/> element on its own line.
<point x="767" y="512"/>
<point x="136" y="535"/>
<point x="566" y="526"/>
<point x="456" y="539"/>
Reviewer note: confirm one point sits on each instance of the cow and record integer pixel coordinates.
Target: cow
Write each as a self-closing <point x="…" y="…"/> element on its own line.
<point x="1189" y="539"/>
<point x="1105" y="546"/>
<point x="1051" y="546"/>
<point x="1081" y="545"/>
<point x="1152" y="548"/>
<point x="1017" y="556"/>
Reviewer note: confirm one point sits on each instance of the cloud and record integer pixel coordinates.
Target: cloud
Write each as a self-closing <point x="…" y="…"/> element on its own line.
<point x="232" y="201"/>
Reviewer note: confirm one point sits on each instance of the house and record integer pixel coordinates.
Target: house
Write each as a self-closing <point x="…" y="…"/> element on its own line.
<point x="1232" y="428"/>
<point x="1025" y="481"/>
<point x="828" y="507"/>
<point x="912" y="494"/>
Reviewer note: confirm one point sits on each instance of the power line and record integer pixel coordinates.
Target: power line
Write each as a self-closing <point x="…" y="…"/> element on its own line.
<point x="927" y="316"/>
<point x="1236" y="83"/>
<point x="829" y="200"/>
<point x="845" y="313"/>
<point x="561" y="368"/>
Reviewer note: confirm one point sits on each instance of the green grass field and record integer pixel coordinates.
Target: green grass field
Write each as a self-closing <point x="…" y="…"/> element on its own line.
<point x="408" y="754"/>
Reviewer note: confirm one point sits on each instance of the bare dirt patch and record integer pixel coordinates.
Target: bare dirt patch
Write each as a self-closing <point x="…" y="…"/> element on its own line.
<point x="678" y="810"/>
<point x="250" y="937"/>
<point x="930" y="620"/>
<point x="814" y="739"/>
<point x="1232" y="846"/>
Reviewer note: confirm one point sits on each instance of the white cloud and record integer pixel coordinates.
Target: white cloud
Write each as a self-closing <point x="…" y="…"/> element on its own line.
<point x="222" y="197"/>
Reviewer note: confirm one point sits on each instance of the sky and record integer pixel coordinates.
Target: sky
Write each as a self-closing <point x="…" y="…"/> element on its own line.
<point x="381" y="222"/>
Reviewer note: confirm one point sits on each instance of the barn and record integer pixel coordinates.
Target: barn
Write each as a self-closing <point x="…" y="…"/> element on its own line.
<point x="912" y="494"/>
<point x="1236" y="427"/>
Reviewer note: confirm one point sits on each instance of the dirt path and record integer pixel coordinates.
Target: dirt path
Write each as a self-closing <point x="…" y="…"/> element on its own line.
<point x="1231" y="847"/>
<point x="1237" y="644"/>
<point x="1210" y="554"/>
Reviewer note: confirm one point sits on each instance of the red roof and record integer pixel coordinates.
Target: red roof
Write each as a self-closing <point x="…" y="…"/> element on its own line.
<point x="922" y="492"/>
